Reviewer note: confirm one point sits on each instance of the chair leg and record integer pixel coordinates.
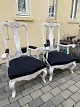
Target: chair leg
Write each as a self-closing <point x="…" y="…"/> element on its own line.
<point x="51" y="73"/>
<point x="44" y="75"/>
<point x="12" y="86"/>
<point x="73" y="66"/>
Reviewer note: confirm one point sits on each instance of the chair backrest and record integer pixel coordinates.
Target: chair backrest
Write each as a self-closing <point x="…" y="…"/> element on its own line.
<point x="51" y="27"/>
<point x="14" y="26"/>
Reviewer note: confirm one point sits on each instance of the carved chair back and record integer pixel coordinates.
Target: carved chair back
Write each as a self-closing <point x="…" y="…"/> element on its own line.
<point x="14" y="26"/>
<point x="51" y="38"/>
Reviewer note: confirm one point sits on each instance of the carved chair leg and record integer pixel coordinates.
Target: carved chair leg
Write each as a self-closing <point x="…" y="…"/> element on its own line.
<point x="44" y="75"/>
<point x="12" y="86"/>
<point x="51" y="73"/>
<point x="73" y="66"/>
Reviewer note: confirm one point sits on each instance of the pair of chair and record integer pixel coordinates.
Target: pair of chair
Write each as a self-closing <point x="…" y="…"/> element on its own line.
<point x="22" y="66"/>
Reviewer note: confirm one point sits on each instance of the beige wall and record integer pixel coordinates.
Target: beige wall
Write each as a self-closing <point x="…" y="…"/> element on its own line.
<point x="68" y="27"/>
<point x="38" y="16"/>
<point x="34" y="22"/>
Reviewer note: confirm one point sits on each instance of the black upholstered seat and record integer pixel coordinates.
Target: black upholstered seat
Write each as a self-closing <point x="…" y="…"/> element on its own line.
<point x="59" y="58"/>
<point x="23" y="66"/>
<point x="77" y="58"/>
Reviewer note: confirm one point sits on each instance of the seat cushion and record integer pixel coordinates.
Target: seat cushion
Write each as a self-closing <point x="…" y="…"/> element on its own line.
<point x="77" y="58"/>
<point x="59" y="58"/>
<point x="23" y="66"/>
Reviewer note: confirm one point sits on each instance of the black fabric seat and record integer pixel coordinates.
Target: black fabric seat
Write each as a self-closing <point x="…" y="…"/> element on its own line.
<point x="77" y="58"/>
<point x="59" y="58"/>
<point x="23" y="66"/>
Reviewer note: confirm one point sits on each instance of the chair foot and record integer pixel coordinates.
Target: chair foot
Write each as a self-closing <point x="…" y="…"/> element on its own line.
<point x="12" y="86"/>
<point x="51" y="73"/>
<point x="72" y="72"/>
<point x="73" y="66"/>
<point x="44" y="75"/>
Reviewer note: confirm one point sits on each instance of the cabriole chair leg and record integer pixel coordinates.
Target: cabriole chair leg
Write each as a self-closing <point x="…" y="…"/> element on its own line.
<point x="73" y="66"/>
<point x="12" y="87"/>
<point x="51" y="73"/>
<point x="44" y="75"/>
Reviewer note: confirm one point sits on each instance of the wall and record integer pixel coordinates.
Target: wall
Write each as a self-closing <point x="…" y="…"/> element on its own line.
<point x="67" y="26"/>
<point x="34" y="22"/>
<point x="38" y="16"/>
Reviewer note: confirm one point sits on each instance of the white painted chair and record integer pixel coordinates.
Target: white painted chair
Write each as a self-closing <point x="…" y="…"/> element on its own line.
<point x="51" y="37"/>
<point x="21" y="66"/>
<point x="53" y="57"/>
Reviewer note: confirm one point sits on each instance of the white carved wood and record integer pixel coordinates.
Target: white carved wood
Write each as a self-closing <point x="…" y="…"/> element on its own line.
<point x="51" y="37"/>
<point x="71" y="66"/>
<point x="12" y="86"/>
<point x="36" y="50"/>
<point x="28" y="77"/>
<point x="51" y="26"/>
<point x="51" y="73"/>
<point x="15" y="30"/>
<point x="51" y="34"/>
<point x="15" y="27"/>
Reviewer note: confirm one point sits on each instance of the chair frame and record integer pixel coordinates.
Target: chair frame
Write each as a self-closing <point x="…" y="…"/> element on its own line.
<point x="36" y="50"/>
<point x="71" y="65"/>
<point x="14" y="27"/>
<point x="51" y="37"/>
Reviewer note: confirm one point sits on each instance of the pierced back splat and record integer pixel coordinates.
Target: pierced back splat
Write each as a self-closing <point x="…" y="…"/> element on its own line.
<point x="51" y="34"/>
<point x="15" y="31"/>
